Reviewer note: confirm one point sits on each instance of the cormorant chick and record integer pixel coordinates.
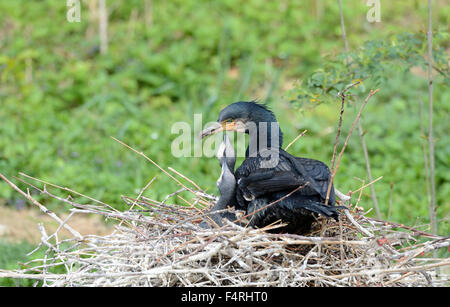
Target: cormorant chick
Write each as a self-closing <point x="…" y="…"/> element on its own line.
<point x="226" y="184"/>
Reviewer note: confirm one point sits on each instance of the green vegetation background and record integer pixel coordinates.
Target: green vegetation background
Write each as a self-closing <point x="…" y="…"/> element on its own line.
<point x="61" y="100"/>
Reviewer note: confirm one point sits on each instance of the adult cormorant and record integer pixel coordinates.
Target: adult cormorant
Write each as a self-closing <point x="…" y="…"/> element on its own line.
<point x="271" y="183"/>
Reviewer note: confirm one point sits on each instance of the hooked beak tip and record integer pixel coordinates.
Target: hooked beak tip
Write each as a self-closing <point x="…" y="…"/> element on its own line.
<point x="211" y="130"/>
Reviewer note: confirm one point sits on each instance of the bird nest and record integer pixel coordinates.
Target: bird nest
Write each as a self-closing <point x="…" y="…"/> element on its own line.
<point x="155" y="243"/>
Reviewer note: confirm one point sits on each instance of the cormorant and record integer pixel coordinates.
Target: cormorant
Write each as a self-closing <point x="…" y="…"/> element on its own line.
<point x="269" y="173"/>
<point x="226" y="184"/>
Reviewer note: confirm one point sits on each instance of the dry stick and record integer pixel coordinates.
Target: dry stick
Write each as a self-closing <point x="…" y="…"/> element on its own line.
<point x="360" y="194"/>
<point x="377" y="272"/>
<point x="156" y="164"/>
<point x="341" y="114"/>
<point x="139" y="196"/>
<point x="148" y="13"/>
<point x="350" y="217"/>
<point x="414" y="230"/>
<point x="67" y="200"/>
<point x="391" y="186"/>
<point x="43" y="208"/>
<point x="184" y="177"/>
<point x="157" y="271"/>
<point x="425" y="156"/>
<point x="308" y="241"/>
<point x="166" y="172"/>
<point x="361" y="135"/>
<point x="432" y="208"/>
<point x="346" y="142"/>
<point x="64" y="189"/>
<point x="103" y="26"/>
<point x="399" y="278"/>
<point x="294" y="140"/>
<point x="369" y="171"/>
<point x="344" y="35"/>
<point x="142" y="192"/>
<point x="92" y="22"/>
<point x="354" y="222"/>
<point x="366" y="185"/>
<point x="82" y="208"/>
<point x="342" y="95"/>
<point x="333" y="158"/>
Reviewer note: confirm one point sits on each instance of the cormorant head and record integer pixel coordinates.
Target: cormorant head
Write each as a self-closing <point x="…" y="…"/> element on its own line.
<point x="246" y="111"/>
<point x="246" y="117"/>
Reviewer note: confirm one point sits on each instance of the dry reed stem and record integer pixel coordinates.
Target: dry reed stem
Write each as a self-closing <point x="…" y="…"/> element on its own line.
<point x="296" y="138"/>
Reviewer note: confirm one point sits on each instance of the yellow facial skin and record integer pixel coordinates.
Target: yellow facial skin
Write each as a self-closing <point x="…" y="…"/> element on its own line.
<point x="228" y="125"/>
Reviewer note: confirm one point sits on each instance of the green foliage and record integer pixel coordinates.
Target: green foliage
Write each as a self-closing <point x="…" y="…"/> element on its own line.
<point x="374" y="62"/>
<point x="395" y="141"/>
<point x="61" y="100"/>
<point x="13" y="256"/>
<point x="10" y="255"/>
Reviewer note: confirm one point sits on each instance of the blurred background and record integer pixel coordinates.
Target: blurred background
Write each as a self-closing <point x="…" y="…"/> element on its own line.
<point x="132" y="68"/>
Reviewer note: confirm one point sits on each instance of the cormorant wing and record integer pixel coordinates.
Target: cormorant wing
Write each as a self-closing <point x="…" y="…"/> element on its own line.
<point x="264" y="181"/>
<point x="316" y="172"/>
<point x="290" y="173"/>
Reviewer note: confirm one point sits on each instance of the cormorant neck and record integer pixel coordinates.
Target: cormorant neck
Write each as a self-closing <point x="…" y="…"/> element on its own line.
<point x="265" y="135"/>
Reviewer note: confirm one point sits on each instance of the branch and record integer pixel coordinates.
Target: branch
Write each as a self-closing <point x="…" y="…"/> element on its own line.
<point x="103" y="26"/>
<point x="425" y="155"/>
<point x="43" y="208"/>
<point x="369" y="171"/>
<point x="342" y="95"/>
<point x="296" y="138"/>
<point x="346" y="142"/>
<point x="432" y="208"/>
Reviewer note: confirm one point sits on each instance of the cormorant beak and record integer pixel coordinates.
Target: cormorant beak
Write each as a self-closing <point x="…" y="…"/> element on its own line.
<point x="218" y="127"/>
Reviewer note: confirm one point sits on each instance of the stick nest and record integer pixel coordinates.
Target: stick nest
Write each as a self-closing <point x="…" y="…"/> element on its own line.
<point x="159" y="244"/>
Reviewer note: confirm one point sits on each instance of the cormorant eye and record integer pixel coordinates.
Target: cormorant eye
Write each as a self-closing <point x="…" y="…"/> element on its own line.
<point x="229" y="120"/>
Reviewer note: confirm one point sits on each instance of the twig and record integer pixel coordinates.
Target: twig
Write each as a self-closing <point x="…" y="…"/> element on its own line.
<point x="366" y="185"/>
<point x="43" y="208"/>
<point x="425" y="155"/>
<point x="357" y="225"/>
<point x="344" y="35"/>
<point x="139" y="196"/>
<point x="186" y="178"/>
<point x="341" y="195"/>
<point x="296" y="138"/>
<point x="432" y="208"/>
<point x="372" y="92"/>
<point x="412" y="229"/>
<point x="157" y="165"/>
<point x="103" y="26"/>
<point x="64" y="189"/>
<point x="369" y="171"/>
<point x="363" y="143"/>
<point x="338" y="133"/>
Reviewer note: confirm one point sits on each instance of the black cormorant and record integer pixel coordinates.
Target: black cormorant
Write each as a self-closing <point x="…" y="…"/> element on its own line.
<point x="269" y="173"/>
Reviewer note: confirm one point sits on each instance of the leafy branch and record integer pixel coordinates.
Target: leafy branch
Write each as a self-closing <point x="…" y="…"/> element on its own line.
<point x="370" y="63"/>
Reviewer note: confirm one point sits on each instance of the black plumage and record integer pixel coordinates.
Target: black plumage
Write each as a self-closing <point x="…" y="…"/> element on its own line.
<point x="257" y="188"/>
<point x="269" y="173"/>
